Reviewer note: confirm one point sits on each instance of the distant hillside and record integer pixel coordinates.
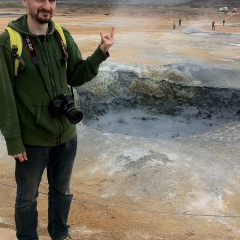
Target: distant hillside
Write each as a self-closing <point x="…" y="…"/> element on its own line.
<point x="203" y="3"/>
<point x="155" y="2"/>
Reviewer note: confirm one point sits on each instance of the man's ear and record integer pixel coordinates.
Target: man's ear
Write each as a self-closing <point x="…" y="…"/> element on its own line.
<point x="25" y="3"/>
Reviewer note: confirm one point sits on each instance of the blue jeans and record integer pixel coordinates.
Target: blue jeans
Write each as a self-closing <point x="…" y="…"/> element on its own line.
<point x="59" y="163"/>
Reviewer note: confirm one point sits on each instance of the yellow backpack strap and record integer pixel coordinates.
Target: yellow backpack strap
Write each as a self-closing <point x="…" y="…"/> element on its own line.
<point x="16" y="46"/>
<point x="60" y="30"/>
<point x="62" y="39"/>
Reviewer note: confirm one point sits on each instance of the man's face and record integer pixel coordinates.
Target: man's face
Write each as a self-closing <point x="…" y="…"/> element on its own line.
<point x="40" y="10"/>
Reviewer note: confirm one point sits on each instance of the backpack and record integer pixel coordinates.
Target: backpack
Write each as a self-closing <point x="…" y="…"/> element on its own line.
<point x="16" y="44"/>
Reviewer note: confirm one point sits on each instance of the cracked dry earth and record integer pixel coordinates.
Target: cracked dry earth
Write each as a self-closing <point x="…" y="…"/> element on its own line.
<point x="129" y="188"/>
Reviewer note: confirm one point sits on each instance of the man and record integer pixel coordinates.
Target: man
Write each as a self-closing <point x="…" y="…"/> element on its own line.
<point x="174" y="25"/>
<point x="180" y="22"/>
<point x="213" y="25"/>
<point x="34" y="137"/>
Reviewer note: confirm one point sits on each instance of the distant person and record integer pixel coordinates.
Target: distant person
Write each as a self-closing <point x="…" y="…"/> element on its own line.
<point x="223" y="22"/>
<point x="174" y="25"/>
<point x="37" y="114"/>
<point x="180" y="22"/>
<point x="213" y="25"/>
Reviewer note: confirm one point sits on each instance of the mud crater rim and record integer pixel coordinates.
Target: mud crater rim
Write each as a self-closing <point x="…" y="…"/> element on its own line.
<point x="124" y="103"/>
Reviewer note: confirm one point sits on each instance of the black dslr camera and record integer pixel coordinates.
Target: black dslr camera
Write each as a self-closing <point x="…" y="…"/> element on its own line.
<point x="65" y="104"/>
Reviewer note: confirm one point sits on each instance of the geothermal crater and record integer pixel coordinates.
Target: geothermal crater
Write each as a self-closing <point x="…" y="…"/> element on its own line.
<point x="159" y="102"/>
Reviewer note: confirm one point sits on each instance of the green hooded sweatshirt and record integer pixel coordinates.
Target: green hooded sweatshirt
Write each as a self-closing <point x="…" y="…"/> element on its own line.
<point x="24" y="100"/>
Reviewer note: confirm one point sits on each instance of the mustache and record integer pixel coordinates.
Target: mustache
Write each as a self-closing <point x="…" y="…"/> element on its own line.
<point x="44" y="11"/>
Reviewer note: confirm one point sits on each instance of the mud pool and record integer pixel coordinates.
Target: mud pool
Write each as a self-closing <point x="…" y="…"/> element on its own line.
<point x="164" y="102"/>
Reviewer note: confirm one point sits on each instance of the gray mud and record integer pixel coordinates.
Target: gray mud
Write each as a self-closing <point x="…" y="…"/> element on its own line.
<point x="139" y="123"/>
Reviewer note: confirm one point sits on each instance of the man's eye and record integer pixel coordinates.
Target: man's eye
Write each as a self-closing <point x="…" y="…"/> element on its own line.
<point x="51" y="1"/>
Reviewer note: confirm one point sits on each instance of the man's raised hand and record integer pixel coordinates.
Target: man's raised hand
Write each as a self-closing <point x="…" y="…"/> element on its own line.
<point x="106" y="41"/>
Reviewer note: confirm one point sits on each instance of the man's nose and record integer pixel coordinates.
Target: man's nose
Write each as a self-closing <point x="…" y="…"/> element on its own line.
<point x="47" y="4"/>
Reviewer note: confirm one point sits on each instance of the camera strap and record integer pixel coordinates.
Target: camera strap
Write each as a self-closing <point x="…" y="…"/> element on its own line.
<point x="64" y="47"/>
<point x="33" y="53"/>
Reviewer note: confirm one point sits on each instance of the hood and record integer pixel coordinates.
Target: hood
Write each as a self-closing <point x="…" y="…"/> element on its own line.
<point x="20" y="25"/>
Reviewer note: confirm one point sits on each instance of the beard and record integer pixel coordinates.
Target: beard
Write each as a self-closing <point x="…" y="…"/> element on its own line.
<point x="42" y="16"/>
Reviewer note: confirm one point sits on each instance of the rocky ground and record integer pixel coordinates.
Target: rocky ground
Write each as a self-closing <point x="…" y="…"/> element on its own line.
<point x="129" y="188"/>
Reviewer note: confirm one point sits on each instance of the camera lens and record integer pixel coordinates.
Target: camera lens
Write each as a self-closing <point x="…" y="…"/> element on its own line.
<point x="73" y="114"/>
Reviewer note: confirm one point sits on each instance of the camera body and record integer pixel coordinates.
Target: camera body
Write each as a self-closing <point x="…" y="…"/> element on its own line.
<point x="64" y="104"/>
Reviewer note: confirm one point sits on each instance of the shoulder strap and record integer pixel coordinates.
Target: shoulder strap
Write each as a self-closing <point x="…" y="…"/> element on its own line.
<point x="60" y="30"/>
<point x="16" y="46"/>
<point x="62" y="39"/>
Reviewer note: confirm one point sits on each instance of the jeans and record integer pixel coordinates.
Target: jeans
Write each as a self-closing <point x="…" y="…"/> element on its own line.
<point x="59" y="163"/>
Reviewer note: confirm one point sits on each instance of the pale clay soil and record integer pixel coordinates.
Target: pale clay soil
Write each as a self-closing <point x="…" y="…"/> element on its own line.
<point x="140" y="37"/>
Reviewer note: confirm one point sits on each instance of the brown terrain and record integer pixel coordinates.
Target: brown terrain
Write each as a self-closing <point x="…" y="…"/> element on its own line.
<point x="142" y="35"/>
